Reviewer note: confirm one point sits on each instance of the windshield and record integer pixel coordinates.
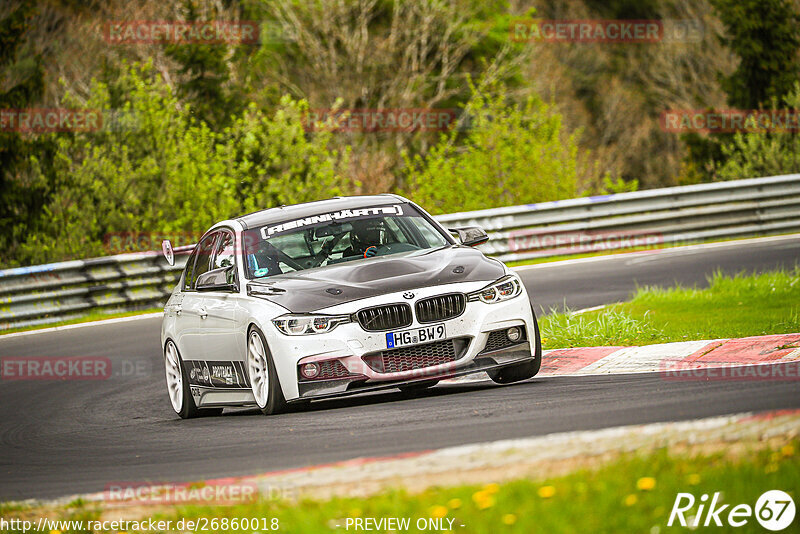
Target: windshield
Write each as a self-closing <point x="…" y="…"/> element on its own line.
<point x="337" y="237"/>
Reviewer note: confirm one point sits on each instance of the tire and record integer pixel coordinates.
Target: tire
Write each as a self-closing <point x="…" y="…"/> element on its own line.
<point x="419" y="386"/>
<point x="263" y="376"/>
<point x="180" y="394"/>
<point x="521" y="371"/>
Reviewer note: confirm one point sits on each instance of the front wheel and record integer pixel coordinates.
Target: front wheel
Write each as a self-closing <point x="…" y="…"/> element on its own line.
<point x="525" y="370"/>
<point x="263" y="376"/>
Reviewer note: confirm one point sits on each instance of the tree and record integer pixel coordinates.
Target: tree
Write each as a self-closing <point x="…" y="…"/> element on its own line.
<point x="21" y="196"/>
<point x="382" y="54"/>
<point x="763" y="34"/>
<point x="510" y="155"/>
<point x="204" y="75"/>
<point x="162" y="171"/>
<point x="751" y="154"/>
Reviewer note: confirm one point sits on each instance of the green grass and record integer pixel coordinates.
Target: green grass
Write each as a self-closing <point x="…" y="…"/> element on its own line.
<point x="88" y="318"/>
<point x="634" y="493"/>
<point x="739" y="306"/>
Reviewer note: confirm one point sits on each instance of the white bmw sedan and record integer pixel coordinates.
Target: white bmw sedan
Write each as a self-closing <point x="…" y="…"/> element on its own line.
<point x="339" y="297"/>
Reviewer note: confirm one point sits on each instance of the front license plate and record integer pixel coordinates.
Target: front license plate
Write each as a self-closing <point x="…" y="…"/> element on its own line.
<point x="424" y="334"/>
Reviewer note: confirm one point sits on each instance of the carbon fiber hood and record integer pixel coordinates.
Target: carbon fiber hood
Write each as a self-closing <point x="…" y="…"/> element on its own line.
<point x="315" y="289"/>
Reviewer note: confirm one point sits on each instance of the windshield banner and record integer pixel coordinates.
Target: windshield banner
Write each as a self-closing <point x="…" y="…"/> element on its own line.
<point x="270" y="231"/>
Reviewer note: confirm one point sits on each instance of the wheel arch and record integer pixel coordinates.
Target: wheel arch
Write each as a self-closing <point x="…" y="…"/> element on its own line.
<point x="287" y="378"/>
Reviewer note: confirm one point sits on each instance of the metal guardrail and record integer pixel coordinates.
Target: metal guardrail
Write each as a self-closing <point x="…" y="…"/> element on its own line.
<point x="54" y="292"/>
<point x="693" y="213"/>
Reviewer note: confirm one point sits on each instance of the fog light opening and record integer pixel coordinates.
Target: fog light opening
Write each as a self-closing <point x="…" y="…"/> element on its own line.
<point x="309" y="370"/>
<point x="514" y="333"/>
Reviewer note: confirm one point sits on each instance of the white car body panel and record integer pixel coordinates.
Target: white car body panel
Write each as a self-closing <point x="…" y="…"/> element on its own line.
<point x="211" y="328"/>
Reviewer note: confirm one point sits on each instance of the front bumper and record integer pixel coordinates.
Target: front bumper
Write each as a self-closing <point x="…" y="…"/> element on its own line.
<point x="485" y="361"/>
<point x="349" y="344"/>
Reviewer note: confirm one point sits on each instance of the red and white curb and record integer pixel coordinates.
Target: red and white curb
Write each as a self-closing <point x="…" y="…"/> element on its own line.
<point x="676" y="360"/>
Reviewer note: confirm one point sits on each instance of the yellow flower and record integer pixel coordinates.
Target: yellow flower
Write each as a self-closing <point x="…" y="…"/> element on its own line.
<point x="545" y="492"/>
<point x="438" y="511"/>
<point x="355" y="512"/>
<point x="646" y="483"/>
<point x="631" y="499"/>
<point x="509" y="519"/>
<point x="454" y="504"/>
<point x="492" y="488"/>
<point x="483" y="500"/>
<point x="787" y="450"/>
<point x="55" y="532"/>
<point x="694" y="479"/>
<point x="771" y="468"/>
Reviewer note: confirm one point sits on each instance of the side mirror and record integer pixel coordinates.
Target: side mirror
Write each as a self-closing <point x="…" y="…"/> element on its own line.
<point x="166" y="248"/>
<point x="222" y="279"/>
<point x="471" y="236"/>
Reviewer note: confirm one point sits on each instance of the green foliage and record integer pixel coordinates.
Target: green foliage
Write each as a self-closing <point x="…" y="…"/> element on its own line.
<point x="205" y="75"/>
<point x="604" y="498"/>
<point x="730" y="307"/>
<point x="751" y="154"/>
<point x="277" y="162"/>
<point x="21" y="74"/>
<point x="763" y="33"/>
<point x="509" y="155"/>
<point x="162" y="170"/>
<point x="561" y="330"/>
<point x="612" y="186"/>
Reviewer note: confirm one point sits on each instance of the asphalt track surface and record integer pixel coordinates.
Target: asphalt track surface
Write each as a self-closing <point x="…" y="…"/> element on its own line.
<point x="63" y="438"/>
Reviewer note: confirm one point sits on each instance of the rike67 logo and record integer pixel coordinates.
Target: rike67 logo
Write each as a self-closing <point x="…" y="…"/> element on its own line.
<point x="774" y="510"/>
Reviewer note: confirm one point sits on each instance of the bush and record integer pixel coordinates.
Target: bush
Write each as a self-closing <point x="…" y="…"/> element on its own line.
<point x="163" y="171"/>
<point x="509" y="155"/>
<point x="754" y="154"/>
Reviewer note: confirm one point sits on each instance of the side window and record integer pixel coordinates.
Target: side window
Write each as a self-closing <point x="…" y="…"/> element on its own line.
<point x="200" y="260"/>
<point x="225" y="255"/>
<point x="189" y="270"/>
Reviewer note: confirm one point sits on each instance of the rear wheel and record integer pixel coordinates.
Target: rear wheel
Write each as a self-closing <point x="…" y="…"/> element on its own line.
<point x="180" y="395"/>
<point x="521" y="371"/>
<point x="263" y="376"/>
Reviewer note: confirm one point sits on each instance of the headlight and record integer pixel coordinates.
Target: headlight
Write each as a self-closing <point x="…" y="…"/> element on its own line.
<point x="299" y="325"/>
<point x="506" y="288"/>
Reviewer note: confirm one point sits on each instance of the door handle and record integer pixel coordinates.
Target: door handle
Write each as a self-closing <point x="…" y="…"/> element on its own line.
<point x="202" y="312"/>
<point x="177" y="310"/>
